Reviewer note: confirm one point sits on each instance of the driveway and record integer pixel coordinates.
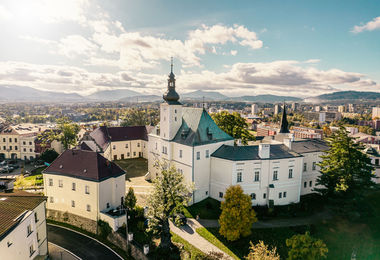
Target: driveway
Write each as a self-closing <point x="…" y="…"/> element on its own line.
<point x="80" y="245"/>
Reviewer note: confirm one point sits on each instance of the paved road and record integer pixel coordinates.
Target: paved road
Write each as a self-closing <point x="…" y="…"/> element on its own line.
<point x="80" y="245"/>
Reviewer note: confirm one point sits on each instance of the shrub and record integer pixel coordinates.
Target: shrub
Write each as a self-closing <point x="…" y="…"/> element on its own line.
<point x="104" y="229"/>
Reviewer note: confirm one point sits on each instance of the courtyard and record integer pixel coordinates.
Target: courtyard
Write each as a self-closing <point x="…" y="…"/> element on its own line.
<point x="135" y="172"/>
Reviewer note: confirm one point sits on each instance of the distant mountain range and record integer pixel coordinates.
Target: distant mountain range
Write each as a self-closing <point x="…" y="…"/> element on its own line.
<point x="19" y="93"/>
<point x="23" y="94"/>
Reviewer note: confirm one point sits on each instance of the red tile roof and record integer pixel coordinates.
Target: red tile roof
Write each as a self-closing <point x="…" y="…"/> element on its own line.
<point x="87" y="165"/>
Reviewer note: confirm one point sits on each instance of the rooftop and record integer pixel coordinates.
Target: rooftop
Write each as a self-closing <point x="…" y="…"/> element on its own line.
<point x="14" y="204"/>
<point x="309" y="146"/>
<point x="198" y="128"/>
<point x="251" y="152"/>
<point x="87" y="165"/>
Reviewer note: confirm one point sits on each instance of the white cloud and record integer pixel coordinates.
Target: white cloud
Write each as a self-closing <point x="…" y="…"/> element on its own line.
<point x="5" y="14"/>
<point x="233" y="52"/>
<point x="370" y="26"/>
<point x="75" y="45"/>
<point x="55" y="11"/>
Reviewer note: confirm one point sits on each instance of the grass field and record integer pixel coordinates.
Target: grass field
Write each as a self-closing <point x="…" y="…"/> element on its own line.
<point x="342" y="237"/>
<point x="206" y="209"/>
<point x="134" y="167"/>
<point x="35" y="179"/>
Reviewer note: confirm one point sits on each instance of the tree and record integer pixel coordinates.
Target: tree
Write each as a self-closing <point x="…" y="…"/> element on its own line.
<point x="234" y="125"/>
<point x="345" y="169"/>
<point x="260" y="251"/>
<point x="49" y="155"/>
<point x="170" y="194"/>
<point x="305" y="247"/>
<point x="237" y="214"/>
<point x="66" y="134"/>
<point x="130" y="199"/>
<point x="135" y="117"/>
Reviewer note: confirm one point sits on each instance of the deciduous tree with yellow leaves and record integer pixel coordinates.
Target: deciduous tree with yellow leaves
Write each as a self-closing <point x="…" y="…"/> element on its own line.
<point x="237" y="214"/>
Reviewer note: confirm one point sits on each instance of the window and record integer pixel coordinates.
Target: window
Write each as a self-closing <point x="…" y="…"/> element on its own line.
<point x="275" y="175"/>
<point x="264" y="195"/>
<point x="114" y="147"/>
<point x="73" y="203"/>
<point x="220" y="194"/>
<point x="175" y="118"/>
<point x="88" y="208"/>
<point x="128" y="154"/>
<point x="29" y="229"/>
<point x="60" y="183"/>
<point x="198" y="155"/>
<point x="10" y="140"/>
<point x="87" y="189"/>
<point x="376" y="161"/>
<point x="38" y="237"/>
<point x="239" y="177"/>
<point x="284" y="194"/>
<point x="15" y="140"/>
<point x="108" y="205"/>
<point x="280" y="195"/>
<point x="10" y="147"/>
<point x="314" y="166"/>
<point x="31" y="250"/>
<point x="305" y="184"/>
<point x="24" y="149"/>
<point x="30" y="143"/>
<point x="50" y="182"/>
<point x="73" y="186"/>
<point x="4" y="148"/>
<point x="9" y="244"/>
<point x="180" y="153"/>
<point x="257" y="176"/>
<point x="4" y="140"/>
<point x="30" y="150"/>
<point x="175" y="111"/>
<point x="138" y="144"/>
<point x="134" y="153"/>
<point x="24" y="143"/>
<point x="310" y="183"/>
<point x="126" y="145"/>
<point x="253" y="196"/>
<point x="206" y="193"/>
<point x="16" y="147"/>
<point x="35" y="217"/>
<point x="304" y="167"/>
<point x="51" y="200"/>
<point x="207" y="153"/>
<point x="290" y="173"/>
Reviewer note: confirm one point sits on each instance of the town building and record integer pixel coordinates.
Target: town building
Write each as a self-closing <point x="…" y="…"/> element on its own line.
<point x="254" y="109"/>
<point x="44" y="142"/>
<point x="306" y="132"/>
<point x="376" y="113"/>
<point x="85" y="184"/>
<point x="23" y="226"/>
<point x="116" y="143"/>
<point x="272" y="173"/>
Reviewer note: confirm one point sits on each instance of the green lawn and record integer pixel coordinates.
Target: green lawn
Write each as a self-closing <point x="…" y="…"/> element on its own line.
<point x="194" y="252"/>
<point x="134" y="167"/>
<point x="206" y="209"/>
<point x="35" y="179"/>
<point x="214" y="240"/>
<point x="341" y="236"/>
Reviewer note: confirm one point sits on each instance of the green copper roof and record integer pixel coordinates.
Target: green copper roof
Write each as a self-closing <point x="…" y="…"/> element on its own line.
<point x="198" y="128"/>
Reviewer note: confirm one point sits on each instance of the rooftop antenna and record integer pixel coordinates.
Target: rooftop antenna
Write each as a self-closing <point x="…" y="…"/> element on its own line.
<point x="171" y="64"/>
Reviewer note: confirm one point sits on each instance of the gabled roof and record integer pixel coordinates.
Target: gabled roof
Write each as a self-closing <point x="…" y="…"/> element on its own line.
<point x="104" y="135"/>
<point x="309" y="146"/>
<point x="87" y="165"/>
<point x="251" y="152"/>
<point x="198" y="128"/>
<point x="12" y="205"/>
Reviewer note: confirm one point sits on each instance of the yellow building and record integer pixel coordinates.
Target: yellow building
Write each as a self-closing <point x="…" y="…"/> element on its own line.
<point x="86" y="184"/>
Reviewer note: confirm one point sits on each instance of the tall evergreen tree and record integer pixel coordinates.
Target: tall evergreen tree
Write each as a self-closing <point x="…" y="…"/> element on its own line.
<point x="345" y="169"/>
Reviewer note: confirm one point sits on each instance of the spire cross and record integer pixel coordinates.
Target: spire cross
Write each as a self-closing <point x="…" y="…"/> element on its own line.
<point x="171" y="65"/>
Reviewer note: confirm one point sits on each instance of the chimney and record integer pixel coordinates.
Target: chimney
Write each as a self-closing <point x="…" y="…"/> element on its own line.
<point x="288" y="142"/>
<point x="264" y="151"/>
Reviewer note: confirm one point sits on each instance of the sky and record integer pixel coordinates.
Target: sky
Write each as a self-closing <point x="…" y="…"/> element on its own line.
<point x="297" y="48"/>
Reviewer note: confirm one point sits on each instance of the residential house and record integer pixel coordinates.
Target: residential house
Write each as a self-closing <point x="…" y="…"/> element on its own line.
<point x="23" y="226"/>
<point x="86" y="184"/>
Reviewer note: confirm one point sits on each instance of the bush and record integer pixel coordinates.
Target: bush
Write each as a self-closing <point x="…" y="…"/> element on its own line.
<point x="139" y="212"/>
<point x="140" y="226"/>
<point x="104" y="229"/>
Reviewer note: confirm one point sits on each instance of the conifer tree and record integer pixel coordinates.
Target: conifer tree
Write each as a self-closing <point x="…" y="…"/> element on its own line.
<point x="345" y="170"/>
<point x="237" y="214"/>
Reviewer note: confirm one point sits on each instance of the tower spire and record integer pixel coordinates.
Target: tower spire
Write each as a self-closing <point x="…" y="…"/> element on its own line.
<point x="284" y="128"/>
<point x="171" y="96"/>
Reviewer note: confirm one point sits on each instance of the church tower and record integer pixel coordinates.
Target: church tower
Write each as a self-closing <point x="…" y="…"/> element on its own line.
<point x="284" y="128"/>
<point x="170" y="110"/>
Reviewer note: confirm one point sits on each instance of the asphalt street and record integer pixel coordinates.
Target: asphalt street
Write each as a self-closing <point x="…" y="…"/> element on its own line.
<point x="80" y="245"/>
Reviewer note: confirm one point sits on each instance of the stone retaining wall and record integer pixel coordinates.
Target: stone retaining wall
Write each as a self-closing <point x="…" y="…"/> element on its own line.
<point x="75" y="220"/>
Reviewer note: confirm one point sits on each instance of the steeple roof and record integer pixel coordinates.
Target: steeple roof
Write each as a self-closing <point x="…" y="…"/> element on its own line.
<point x="284" y="128"/>
<point x="171" y="96"/>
